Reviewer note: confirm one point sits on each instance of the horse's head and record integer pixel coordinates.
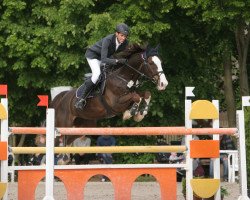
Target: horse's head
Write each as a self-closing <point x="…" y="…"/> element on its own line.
<point x="146" y="62"/>
<point x="153" y="69"/>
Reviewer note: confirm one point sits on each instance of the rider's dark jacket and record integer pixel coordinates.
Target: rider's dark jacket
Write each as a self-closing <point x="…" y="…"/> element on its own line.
<point x="104" y="49"/>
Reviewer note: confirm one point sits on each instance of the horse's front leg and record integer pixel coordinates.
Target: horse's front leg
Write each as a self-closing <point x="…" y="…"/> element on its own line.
<point x="144" y="107"/>
<point x="135" y="107"/>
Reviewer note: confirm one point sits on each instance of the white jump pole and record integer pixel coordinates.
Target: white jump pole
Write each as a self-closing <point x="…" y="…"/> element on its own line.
<point x="216" y="161"/>
<point x="50" y="136"/>
<point x="188" y="138"/>
<point x="242" y="149"/>
<point x="4" y="138"/>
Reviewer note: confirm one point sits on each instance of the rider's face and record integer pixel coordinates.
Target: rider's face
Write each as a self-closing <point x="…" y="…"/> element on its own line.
<point x="120" y="37"/>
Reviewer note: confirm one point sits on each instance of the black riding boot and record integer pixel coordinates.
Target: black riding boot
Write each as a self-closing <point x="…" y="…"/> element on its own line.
<point x="88" y="86"/>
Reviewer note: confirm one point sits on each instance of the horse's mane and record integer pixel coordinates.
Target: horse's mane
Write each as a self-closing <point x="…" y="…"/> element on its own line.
<point x="130" y="50"/>
<point x="136" y="48"/>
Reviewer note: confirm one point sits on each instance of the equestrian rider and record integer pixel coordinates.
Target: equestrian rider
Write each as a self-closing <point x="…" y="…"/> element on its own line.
<point x="101" y="53"/>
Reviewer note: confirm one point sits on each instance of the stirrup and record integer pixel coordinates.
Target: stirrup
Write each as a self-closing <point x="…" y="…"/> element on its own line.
<point x="80" y="104"/>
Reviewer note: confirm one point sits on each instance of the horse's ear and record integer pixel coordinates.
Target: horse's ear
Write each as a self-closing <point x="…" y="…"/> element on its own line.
<point x="148" y="49"/>
<point x="157" y="47"/>
<point x="152" y="51"/>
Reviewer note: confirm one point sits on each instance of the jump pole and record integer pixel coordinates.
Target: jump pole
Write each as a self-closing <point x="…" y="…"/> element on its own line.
<point x="50" y="137"/>
<point x="188" y="138"/>
<point x="127" y="131"/>
<point x="4" y="138"/>
<point x="112" y="149"/>
<point x="242" y="149"/>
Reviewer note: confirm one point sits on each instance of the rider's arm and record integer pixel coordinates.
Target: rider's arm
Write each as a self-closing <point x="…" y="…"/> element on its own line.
<point x="104" y="53"/>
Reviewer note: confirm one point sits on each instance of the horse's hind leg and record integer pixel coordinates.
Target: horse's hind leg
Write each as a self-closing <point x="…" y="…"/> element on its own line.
<point x="143" y="110"/>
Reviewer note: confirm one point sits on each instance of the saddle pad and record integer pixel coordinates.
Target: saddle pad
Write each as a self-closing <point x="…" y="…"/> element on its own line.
<point x="79" y="92"/>
<point x="99" y="89"/>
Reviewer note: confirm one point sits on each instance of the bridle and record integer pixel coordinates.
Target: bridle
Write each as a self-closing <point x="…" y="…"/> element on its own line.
<point x="142" y="76"/>
<point x="146" y="65"/>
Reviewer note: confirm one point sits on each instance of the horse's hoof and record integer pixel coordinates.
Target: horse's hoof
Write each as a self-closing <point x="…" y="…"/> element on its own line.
<point x="134" y="109"/>
<point x="134" y="113"/>
<point x="126" y="115"/>
<point x="138" y="117"/>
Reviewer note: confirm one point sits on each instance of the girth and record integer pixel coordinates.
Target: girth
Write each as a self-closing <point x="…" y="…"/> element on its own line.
<point x="110" y="111"/>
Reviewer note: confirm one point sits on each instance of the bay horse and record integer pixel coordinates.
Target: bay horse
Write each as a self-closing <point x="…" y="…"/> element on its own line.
<point x="120" y="94"/>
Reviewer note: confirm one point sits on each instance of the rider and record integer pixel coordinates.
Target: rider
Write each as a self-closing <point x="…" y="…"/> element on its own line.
<point x="101" y="53"/>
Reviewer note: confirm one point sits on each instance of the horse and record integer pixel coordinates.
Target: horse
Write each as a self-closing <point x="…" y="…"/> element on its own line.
<point x="119" y="95"/>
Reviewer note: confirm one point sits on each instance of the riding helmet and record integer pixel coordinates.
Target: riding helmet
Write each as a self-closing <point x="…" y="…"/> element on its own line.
<point x="122" y="28"/>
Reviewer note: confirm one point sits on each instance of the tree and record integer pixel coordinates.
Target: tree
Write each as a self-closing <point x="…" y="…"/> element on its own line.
<point x="242" y="37"/>
<point x="232" y="16"/>
<point x="41" y="45"/>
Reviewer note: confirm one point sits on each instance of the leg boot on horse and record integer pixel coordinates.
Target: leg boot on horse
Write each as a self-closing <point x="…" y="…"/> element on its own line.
<point x="88" y="86"/>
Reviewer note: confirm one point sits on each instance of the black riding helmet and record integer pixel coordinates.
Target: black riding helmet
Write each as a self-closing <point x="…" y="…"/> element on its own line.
<point x="122" y="28"/>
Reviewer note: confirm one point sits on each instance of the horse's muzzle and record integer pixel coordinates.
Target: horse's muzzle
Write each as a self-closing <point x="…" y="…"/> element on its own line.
<point x="162" y="82"/>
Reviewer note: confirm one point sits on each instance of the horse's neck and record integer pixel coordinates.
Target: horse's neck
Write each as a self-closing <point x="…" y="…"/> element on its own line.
<point x="128" y="73"/>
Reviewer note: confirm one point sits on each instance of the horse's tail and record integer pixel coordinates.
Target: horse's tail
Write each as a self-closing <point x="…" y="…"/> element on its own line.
<point x="57" y="99"/>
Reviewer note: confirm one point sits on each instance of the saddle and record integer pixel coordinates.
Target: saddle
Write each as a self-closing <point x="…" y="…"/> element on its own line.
<point x="98" y="89"/>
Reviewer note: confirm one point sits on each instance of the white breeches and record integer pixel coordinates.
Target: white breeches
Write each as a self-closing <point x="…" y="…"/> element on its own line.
<point x="95" y="66"/>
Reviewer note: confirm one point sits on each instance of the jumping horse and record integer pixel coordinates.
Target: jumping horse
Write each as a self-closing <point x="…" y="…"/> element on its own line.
<point x="120" y="94"/>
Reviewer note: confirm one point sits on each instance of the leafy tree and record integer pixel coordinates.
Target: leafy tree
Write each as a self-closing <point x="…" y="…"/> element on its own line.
<point x="42" y="45"/>
<point x="229" y="18"/>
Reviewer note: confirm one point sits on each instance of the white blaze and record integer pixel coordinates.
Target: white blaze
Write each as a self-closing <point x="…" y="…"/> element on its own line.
<point x="162" y="83"/>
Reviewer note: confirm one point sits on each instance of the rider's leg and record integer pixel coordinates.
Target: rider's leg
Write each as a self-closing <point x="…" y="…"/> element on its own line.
<point x="95" y="66"/>
<point x="88" y="86"/>
<point x="90" y="83"/>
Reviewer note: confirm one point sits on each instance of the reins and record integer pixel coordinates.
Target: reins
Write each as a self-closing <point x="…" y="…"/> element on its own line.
<point x="141" y="75"/>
